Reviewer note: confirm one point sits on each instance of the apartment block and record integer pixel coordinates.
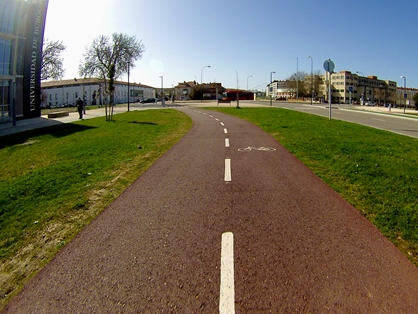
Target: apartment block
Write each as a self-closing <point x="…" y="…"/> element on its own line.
<point x="346" y="85"/>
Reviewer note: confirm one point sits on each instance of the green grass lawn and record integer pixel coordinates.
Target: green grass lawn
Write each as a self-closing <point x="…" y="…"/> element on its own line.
<point x="55" y="180"/>
<point x="374" y="170"/>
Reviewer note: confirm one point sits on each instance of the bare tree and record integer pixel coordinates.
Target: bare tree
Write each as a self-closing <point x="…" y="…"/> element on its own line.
<point x="52" y="63"/>
<point x="109" y="58"/>
<point x="297" y="83"/>
<point x="415" y="99"/>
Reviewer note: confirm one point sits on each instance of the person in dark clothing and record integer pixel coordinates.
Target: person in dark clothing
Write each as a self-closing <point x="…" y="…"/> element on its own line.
<point x="80" y="107"/>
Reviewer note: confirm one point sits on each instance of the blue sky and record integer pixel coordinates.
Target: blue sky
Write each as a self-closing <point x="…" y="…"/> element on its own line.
<point x="245" y="38"/>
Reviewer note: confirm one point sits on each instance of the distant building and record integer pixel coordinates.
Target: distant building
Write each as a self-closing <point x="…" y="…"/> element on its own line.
<point x="183" y="90"/>
<point x="344" y="85"/>
<point x="212" y="91"/>
<point x="367" y="88"/>
<point x="191" y="90"/>
<point x="400" y="98"/>
<point x="22" y="25"/>
<point x="279" y="89"/>
<point x="65" y="93"/>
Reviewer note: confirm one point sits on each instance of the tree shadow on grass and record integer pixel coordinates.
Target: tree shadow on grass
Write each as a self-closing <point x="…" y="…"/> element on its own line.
<point x="147" y="123"/>
<point x="59" y="130"/>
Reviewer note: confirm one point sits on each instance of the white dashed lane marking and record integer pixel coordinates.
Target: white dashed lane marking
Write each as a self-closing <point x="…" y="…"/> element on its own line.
<point x="227" y="291"/>
<point x="228" y="177"/>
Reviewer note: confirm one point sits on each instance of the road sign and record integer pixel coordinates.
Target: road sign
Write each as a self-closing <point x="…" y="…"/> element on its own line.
<point x="329" y="66"/>
<point x="405" y="95"/>
<point x="350" y="89"/>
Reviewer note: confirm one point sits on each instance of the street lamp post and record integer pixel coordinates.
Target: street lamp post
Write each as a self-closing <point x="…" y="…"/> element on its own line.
<point x="297" y="78"/>
<point x="404" y="91"/>
<point x="100" y="95"/>
<point x="270" y="88"/>
<point x="364" y="88"/>
<point x="247" y="81"/>
<point x="380" y="94"/>
<point x="311" y="79"/>
<point x="173" y="94"/>
<point x="63" y="90"/>
<point x="14" y="103"/>
<point x="162" y="91"/>
<point x="201" y="82"/>
<point x="129" y="65"/>
<point x="84" y="98"/>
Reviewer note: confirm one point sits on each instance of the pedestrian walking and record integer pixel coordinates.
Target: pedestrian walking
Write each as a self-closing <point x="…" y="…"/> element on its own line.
<point x="80" y="107"/>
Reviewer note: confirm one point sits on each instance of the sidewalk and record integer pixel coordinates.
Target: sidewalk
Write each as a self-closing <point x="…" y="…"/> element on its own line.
<point x="386" y="110"/>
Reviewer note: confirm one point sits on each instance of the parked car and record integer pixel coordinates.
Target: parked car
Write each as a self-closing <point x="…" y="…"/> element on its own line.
<point x="370" y="103"/>
<point x="148" y="100"/>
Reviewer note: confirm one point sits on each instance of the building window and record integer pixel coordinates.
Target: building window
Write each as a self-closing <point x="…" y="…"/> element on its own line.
<point x="7" y="11"/>
<point x="5" y="56"/>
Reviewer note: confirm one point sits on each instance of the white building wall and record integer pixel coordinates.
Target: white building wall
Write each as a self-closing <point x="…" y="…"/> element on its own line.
<point x="68" y="95"/>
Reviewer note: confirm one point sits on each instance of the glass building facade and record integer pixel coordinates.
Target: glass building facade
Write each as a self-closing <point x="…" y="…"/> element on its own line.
<point x="21" y="38"/>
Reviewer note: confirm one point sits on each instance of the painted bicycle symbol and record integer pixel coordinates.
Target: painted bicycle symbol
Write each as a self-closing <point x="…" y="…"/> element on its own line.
<point x="248" y="149"/>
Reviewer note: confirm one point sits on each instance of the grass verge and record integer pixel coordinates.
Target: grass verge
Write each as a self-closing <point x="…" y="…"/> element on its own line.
<point x="55" y="180"/>
<point x="374" y="170"/>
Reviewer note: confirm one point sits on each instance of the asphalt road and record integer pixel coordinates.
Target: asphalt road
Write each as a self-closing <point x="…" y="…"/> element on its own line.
<point x="380" y="118"/>
<point x="226" y="221"/>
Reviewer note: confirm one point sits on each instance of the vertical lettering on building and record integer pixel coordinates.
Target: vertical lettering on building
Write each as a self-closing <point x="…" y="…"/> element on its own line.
<point x="36" y="42"/>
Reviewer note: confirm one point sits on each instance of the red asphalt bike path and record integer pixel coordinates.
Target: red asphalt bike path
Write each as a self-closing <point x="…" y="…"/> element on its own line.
<point x="297" y="245"/>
